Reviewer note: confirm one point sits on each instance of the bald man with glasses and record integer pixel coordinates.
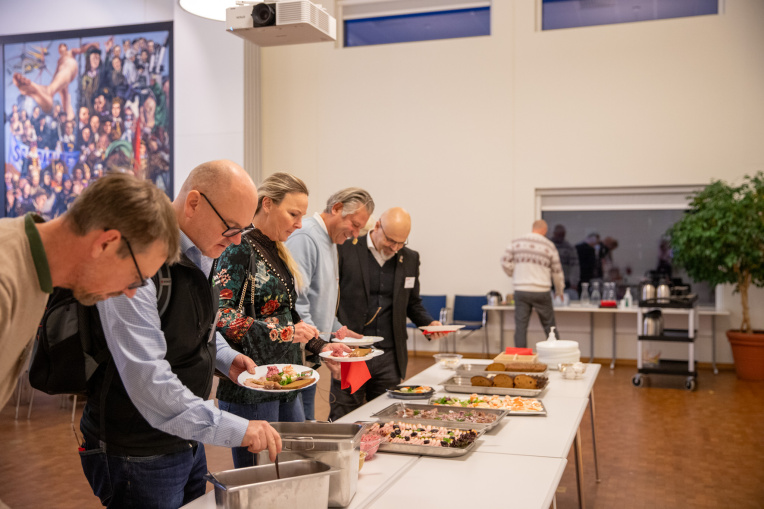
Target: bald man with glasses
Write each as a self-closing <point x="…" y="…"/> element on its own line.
<point x="379" y="288"/>
<point x="148" y="413"/>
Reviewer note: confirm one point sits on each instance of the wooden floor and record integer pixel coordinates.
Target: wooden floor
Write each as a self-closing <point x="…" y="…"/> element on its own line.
<point x="659" y="447"/>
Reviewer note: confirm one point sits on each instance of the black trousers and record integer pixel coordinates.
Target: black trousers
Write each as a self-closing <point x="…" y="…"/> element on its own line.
<point x="384" y="375"/>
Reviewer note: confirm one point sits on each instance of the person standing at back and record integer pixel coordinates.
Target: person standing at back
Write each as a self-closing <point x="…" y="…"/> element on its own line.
<point x="314" y="248"/>
<point x="532" y="262"/>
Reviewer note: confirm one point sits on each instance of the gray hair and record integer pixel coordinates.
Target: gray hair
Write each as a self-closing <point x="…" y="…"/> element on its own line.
<point x="352" y="199"/>
<point x="137" y="208"/>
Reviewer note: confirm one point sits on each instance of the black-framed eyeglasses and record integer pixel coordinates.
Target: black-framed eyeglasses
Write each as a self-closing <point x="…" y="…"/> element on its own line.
<point x="229" y="231"/>
<point x="141" y="280"/>
<point x="391" y="241"/>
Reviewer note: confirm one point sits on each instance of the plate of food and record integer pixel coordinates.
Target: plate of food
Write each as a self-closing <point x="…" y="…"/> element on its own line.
<point x="357" y="355"/>
<point x="279" y="378"/>
<point x="364" y="341"/>
<point x="411" y="392"/>
<point x="430" y="329"/>
<point x="515" y="404"/>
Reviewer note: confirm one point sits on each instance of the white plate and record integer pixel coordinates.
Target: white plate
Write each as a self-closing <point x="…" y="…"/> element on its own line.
<point x="261" y="371"/>
<point x="441" y="328"/>
<point x="364" y="341"/>
<point x="328" y="355"/>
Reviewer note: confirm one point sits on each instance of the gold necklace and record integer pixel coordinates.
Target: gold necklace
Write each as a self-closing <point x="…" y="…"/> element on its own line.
<point x="289" y="294"/>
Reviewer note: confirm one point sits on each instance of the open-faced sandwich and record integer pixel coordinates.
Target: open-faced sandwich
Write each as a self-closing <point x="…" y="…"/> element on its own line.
<point x="288" y="379"/>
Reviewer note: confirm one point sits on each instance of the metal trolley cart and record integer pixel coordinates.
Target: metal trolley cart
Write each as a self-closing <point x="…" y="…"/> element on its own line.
<point x="674" y="305"/>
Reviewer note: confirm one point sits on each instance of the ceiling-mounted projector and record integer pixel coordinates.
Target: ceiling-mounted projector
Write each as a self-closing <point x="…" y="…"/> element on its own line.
<point x="281" y="22"/>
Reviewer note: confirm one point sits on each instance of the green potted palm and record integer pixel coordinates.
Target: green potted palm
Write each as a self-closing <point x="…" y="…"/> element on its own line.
<point x="720" y="240"/>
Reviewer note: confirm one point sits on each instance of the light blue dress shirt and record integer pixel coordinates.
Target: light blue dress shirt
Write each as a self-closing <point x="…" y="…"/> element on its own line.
<point x="137" y="344"/>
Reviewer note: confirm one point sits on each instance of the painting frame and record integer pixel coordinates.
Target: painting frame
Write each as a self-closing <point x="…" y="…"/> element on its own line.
<point x="55" y="83"/>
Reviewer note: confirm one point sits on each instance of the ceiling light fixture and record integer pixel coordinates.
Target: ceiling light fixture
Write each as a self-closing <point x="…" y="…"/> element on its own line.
<point x="210" y="9"/>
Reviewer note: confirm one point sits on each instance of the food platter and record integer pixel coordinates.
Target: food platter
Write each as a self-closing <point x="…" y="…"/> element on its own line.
<point x="479" y="369"/>
<point x="411" y="392"/>
<point x="374" y="353"/>
<point x="364" y="341"/>
<point x="400" y="445"/>
<point x="438" y="415"/>
<point x="261" y="371"/>
<point x="515" y="404"/>
<point x="463" y="384"/>
<point x="429" y="329"/>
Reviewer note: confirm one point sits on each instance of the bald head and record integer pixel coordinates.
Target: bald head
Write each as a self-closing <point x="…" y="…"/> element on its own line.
<point x="540" y="227"/>
<point x="391" y="231"/>
<point x="217" y="196"/>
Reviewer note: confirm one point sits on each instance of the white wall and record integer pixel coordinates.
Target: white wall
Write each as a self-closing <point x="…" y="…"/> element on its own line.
<point x="462" y="132"/>
<point x="208" y="72"/>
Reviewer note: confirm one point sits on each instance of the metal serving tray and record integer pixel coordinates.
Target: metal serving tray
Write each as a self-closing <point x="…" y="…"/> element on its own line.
<point x="427" y="450"/>
<point x="511" y="412"/>
<point x="463" y="384"/>
<point x="389" y="414"/>
<point x="479" y="369"/>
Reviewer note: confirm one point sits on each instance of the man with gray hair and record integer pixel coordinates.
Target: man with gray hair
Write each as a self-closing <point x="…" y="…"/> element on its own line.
<point x="532" y="262"/>
<point x="314" y="248"/>
<point x="118" y="224"/>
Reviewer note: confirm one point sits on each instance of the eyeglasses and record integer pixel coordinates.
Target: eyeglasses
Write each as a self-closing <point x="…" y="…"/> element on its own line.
<point x="141" y="281"/>
<point x="391" y="241"/>
<point x="230" y="231"/>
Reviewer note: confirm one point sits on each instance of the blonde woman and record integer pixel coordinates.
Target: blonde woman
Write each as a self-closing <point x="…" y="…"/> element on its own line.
<point x="258" y="281"/>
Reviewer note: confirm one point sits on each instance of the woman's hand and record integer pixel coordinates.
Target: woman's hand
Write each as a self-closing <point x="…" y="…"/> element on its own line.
<point x="304" y="332"/>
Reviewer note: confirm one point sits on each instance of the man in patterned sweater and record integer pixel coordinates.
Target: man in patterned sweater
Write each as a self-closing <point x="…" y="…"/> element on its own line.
<point x="533" y="263"/>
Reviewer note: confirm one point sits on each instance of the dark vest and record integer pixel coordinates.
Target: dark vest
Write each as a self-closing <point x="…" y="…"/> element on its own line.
<point x="381" y="280"/>
<point x="186" y="327"/>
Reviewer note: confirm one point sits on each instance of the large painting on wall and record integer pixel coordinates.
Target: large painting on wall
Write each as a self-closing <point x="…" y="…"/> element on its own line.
<point x="78" y="104"/>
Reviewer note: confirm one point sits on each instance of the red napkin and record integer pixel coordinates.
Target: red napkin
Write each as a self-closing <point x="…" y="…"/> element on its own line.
<point x="519" y="351"/>
<point x="354" y="375"/>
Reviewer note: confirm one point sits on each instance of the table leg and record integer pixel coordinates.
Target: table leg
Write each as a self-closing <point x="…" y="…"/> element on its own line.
<point x="713" y="344"/>
<point x="594" y="438"/>
<point x="579" y="469"/>
<point x="591" y="337"/>
<point x="501" y="331"/>
<point x="612" y="360"/>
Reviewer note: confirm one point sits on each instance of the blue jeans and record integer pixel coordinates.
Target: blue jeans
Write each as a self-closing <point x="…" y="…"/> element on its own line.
<point x="308" y="397"/>
<point x="272" y="411"/>
<point x="165" y="481"/>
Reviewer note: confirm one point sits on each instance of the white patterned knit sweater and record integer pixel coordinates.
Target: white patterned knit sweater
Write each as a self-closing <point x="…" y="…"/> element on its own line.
<point x="533" y="263"/>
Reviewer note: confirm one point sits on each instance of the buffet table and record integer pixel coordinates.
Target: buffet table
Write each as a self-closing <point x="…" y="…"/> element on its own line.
<point x="525" y="455"/>
<point x="612" y="312"/>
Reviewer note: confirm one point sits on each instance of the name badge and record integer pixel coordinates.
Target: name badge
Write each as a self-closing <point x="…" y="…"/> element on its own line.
<point x="409" y="282"/>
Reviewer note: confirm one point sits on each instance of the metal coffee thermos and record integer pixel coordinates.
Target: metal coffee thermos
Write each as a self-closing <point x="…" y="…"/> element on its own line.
<point x="652" y="323"/>
<point x="663" y="292"/>
<point x="648" y="291"/>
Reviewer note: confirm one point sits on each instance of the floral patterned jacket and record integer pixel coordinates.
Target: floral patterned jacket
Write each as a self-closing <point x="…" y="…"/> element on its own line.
<point x="256" y="318"/>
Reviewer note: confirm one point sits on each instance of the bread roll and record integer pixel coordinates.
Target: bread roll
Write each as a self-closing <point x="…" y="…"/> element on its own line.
<point x="503" y="381"/>
<point x="481" y="381"/>
<point x="525" y="382"/>
<point x="496" y="366"/>
<point x="526" y="367"/>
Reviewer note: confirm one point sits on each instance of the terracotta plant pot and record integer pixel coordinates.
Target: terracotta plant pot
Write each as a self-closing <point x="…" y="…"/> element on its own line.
<point x="748" y="352"/>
